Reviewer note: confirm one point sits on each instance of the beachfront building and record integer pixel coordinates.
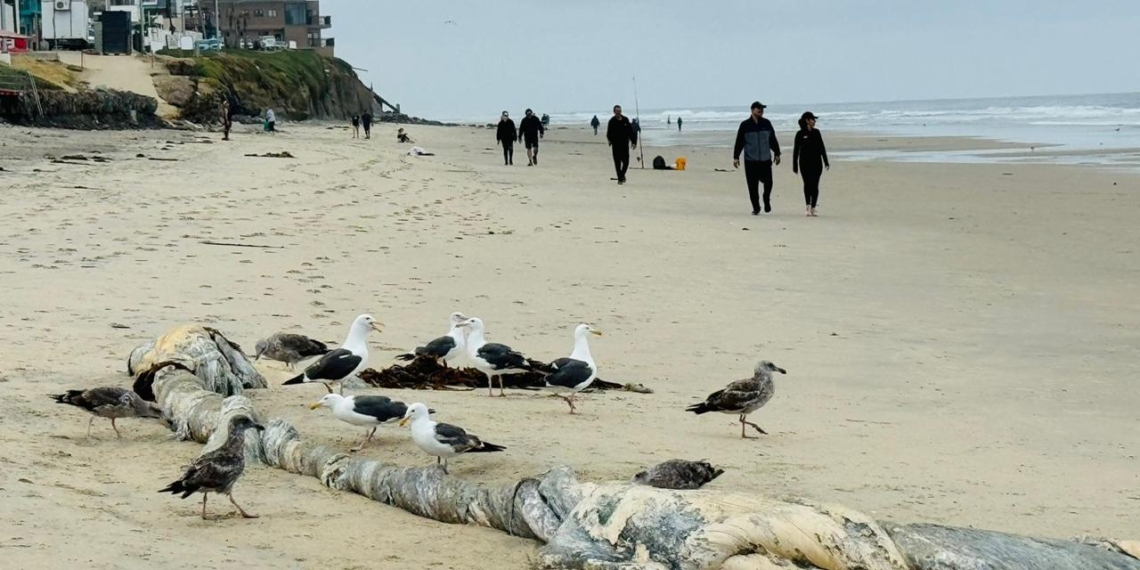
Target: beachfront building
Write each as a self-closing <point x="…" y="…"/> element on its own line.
<point x="140" y="9"/>
<point x="241" y="23"/>
<point x="20" y="17"/>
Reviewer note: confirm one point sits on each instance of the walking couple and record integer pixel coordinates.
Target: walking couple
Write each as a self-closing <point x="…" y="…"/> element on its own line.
<point x="756" y="140"/>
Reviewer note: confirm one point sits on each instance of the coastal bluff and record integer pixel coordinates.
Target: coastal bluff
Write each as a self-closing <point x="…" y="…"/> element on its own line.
<point x="168" y="90"/>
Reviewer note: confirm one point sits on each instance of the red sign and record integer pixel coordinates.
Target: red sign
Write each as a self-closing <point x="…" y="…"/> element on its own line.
<point x="13" y="44"/>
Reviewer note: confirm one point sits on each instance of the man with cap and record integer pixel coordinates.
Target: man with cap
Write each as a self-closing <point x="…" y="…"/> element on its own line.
<point x="622" y="138"/>
<point x="756" y="138"/>
<point x="506" y="136"/>
<point x="530" y="130"/>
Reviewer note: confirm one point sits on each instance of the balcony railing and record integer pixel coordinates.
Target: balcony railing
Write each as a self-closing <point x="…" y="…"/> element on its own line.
<point x="320" y="21"/>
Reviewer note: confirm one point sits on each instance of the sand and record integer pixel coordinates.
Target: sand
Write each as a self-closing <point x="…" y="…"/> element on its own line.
<point x="961" y="340"/>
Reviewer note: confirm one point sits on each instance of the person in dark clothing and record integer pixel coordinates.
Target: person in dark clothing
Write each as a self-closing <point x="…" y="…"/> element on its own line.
<point x="809" y="159"/>
<point x="506" y="137"/>
<point x="530" y="130"/>
<point x="622" y="138"/>
<point x="756" y="138"/>
<point x="679" y="121"/>
<point x="595" y="123"/>
<point x="366" y="122"/>
<point x="356" y="126"/>
<point x="227" y="119"/>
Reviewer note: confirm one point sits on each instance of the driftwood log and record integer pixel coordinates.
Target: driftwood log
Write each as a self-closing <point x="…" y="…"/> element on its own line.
<point x="424" y="373"/>
<point x="203" y="351"/>
<point x="624" y="526"/>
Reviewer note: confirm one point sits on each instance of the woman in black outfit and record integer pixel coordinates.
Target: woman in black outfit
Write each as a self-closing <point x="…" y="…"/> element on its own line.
<point x="809" y="159"/>
<point x="506" y="135"/>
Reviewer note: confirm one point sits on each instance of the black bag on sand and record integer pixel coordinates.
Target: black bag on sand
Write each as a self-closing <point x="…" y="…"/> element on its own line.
<point x="659" y="164"/>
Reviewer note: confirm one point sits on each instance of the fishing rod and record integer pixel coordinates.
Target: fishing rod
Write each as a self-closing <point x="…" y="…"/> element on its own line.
<point x="637" y="114"/>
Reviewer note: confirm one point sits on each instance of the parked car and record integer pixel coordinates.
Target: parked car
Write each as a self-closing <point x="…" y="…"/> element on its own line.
<point x="270" y="43"/>
<point x="212" y="44"/>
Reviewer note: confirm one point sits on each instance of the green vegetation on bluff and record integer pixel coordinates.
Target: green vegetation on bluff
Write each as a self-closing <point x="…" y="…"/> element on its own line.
<point x="298" y="84"/>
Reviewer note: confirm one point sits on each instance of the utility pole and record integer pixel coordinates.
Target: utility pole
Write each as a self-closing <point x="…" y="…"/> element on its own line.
<point x="217" y="21"/>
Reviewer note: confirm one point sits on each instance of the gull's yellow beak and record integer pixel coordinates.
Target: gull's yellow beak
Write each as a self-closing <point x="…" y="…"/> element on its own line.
<point x="596" y="333"/>
<point x="314" y="406"/>
<point x="403" y="422"/>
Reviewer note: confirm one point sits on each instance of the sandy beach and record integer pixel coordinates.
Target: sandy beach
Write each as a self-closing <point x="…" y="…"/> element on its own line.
<point x="961" y="340"/>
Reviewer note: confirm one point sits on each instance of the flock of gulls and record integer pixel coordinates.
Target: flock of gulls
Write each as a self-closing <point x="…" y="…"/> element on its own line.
<point x="464" y="343"/>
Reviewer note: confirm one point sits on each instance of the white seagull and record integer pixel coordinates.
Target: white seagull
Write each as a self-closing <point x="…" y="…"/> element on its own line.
<point x="444" y="349"/>
<point x="443" y="440"/>
<point x="574" y="374"/>
<point x="493" y="359"/>
<point x="367" y="411"/>
<point x="347" y="361"/>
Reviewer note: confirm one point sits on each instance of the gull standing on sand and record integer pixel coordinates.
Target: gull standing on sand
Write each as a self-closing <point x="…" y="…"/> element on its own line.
<point x="347" y="361"/>
<point x="109" y="402"/>
<point x="446" y="348"/>
<point x="442" y="440"/>
<point x="494" y="360"/>
<point x="576" y="373"/>
<point x="218" y="470"/>
<point x="290" y="348"/>
<point x="743" y="396"/>
<point x="367" y="411"/>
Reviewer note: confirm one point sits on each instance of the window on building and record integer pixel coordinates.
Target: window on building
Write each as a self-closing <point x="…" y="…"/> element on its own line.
<point x="258" y="13"/>
<point x="296" y="14"/>
<point x="271" y="13"/>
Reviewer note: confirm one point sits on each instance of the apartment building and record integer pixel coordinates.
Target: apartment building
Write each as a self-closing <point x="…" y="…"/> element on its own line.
<point x="250" y="20"/>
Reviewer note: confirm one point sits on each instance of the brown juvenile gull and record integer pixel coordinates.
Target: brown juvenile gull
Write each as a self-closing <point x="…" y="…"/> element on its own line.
<point x="678" y="474"/>
<point x="109" y="402"/>
<point x="290" y="348"/>
<point x="218" y="470"/>
<point x="743" y="396"/>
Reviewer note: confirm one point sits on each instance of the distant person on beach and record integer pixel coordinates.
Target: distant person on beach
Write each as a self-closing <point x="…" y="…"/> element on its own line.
<point x="356" y="126"/>
<point x="595" y="123"/>
<point x="756" y="138"/>
<point x="679" y="121"/>
<point x="506" y="136"/>
<point x="530" y="130"/>
<point x="270" y="121"/>
<point x="227" y="119"/>
<point x="403" y="137"/>
<point x="809" y="159"/>
<point x="366" y="122"/>
<point x="622" y="138"/>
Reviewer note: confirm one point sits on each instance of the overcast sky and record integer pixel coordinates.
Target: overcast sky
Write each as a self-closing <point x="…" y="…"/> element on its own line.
<point x="579" y="55"/>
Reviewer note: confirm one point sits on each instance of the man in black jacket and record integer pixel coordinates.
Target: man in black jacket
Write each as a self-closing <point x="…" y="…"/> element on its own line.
<point x="506" y="136"/>
<point x="757" y="139"/>
<point x="622" y="139"/>
<point x="530" y="130"/>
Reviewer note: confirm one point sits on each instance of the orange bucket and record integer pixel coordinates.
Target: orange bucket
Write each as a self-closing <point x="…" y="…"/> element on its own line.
<point x="681" y="163"/>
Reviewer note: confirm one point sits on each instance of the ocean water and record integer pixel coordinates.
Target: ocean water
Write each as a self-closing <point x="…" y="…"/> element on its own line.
<point x="1102" y="129"/>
